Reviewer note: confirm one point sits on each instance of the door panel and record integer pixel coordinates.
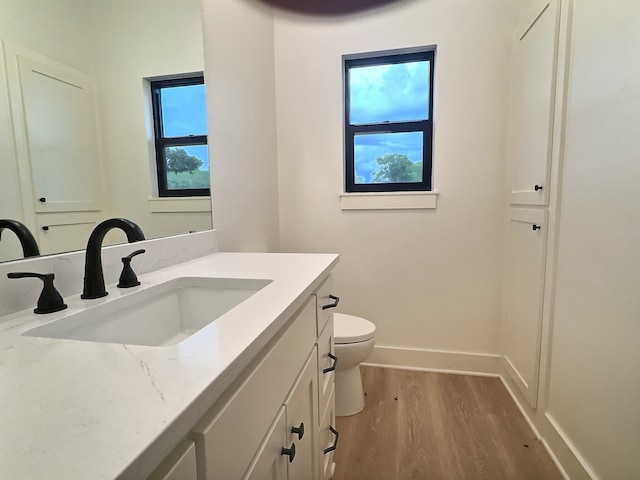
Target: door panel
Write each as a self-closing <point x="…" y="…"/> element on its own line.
<point x="533" y="104"/>
<point x="522" y="329"/>
<point x="61" y="132"/>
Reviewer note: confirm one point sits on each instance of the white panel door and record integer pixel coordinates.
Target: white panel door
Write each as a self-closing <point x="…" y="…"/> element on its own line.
<point x="62" y="137"/>
<point x="533" y="103"/>
<point x="522" y="328"/>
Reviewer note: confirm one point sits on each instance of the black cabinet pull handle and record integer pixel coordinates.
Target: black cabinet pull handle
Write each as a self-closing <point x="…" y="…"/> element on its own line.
<point x="535" y="227"/>
<point x="299" y="430"/>
<point x="332" y="305"/>
<point x="537" y="187"/>
<point x="42" y="199"/>
<point x="291" y="452"/>
<point x="335" y="442"/>
<point x="332" y="367"/>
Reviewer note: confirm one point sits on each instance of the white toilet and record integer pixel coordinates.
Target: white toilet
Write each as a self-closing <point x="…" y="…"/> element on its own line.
<point x="354" y="338"/>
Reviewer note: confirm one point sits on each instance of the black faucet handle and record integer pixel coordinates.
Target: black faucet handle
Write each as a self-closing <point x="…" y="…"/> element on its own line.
<point x="133" y="254"/>
<point x="50" y="299"/>
<point x="128" y="277"/>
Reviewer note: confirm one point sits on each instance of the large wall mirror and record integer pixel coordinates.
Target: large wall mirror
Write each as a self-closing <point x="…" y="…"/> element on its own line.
<point x="101" y="54"/>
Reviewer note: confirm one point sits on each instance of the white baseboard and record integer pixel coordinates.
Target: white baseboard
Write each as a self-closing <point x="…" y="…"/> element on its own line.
<point x="435" y="360"/>
<point x="570" y="463"/>
<point x="572" y="460"/>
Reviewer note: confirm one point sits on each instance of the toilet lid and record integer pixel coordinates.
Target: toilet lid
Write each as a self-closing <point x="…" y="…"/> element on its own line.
<point x="352" y="329"/>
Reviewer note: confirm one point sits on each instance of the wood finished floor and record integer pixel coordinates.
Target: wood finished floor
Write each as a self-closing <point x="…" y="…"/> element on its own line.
<point x="432" y="426"/>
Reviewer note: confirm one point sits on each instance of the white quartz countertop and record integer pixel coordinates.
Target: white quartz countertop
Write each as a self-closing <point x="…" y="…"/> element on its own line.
<point x="82" y="410"/>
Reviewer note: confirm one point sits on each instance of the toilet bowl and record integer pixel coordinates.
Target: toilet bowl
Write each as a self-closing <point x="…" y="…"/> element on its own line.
<point x="354" y="338"/>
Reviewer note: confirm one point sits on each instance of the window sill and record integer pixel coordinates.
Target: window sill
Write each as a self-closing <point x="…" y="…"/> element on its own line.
<point x="389" y="201"/>
<point x="180" y="204"/>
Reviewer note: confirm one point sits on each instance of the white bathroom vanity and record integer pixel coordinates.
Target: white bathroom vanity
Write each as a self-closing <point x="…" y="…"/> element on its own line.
<point x="221" y="403"/>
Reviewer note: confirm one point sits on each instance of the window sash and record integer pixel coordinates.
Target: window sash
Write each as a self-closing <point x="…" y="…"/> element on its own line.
<point x="162" y="142"/>
<point x="424" y="126"/>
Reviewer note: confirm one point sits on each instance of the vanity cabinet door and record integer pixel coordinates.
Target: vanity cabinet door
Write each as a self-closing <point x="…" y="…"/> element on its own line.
<point x="179" y="465"/>
<point x="228" y="437"/>
<point x="302" y="412"/>
<point x="290" y="449"/>
<point x="269" y="462"/>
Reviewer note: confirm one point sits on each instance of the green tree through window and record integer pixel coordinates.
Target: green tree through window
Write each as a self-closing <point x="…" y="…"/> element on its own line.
<point x="396" y="168"/>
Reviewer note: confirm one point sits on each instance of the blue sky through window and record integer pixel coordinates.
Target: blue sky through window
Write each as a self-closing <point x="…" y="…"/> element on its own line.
<point x="184" y="113"/>
<point x="389" y="93"/>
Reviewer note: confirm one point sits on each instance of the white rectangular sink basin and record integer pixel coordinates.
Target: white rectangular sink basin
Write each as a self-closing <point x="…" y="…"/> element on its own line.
<point x="164" y="314"/>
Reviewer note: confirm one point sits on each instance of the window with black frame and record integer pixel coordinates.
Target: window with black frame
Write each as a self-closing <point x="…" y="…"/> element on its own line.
<point x="389" y="120"/>
<point x="180" y="125"/>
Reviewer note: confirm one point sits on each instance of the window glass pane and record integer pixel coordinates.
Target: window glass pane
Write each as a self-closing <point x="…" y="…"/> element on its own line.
<point x="183" y="111"/>
<point x="187" y="167"/>
<point x="389" y="93"/>
<point x="388" y="158"/>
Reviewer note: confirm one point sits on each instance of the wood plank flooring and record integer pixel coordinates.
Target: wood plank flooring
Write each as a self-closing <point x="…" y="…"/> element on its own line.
<point x="427" y="425"/>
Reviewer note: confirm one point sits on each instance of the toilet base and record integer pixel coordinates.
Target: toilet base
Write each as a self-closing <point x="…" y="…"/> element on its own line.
<point x="349" y="393"/>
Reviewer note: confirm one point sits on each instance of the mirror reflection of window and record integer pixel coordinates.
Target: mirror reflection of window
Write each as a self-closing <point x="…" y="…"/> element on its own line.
<point x="180" y="126"/>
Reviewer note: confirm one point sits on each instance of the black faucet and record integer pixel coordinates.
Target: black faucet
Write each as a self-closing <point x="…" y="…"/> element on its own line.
<point x="29" y="245"/>
<point x="93" y="276"/>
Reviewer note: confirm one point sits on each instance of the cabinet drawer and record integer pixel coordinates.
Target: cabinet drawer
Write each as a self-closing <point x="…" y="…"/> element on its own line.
<point x="324" y="300"/>
<point x="327" y="437"/>
<point x="228" y="437"/>
<point x="325" y="380"/>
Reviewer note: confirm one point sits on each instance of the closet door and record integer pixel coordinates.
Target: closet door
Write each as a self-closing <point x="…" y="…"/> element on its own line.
<point x="61" y="133"/>
<point x="522" y="329"/>
<point x="533" y="98"/>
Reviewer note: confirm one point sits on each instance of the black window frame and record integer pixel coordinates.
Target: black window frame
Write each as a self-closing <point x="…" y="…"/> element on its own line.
<point x="161" y="142"/>
<point x="389" y="57"/>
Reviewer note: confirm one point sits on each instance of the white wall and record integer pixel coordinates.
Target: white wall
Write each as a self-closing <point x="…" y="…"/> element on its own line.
<point x="594" y="381"/>
<point x="428" y="279"/>
<point x="47" y="28"/>
<point x="239" y="71"/>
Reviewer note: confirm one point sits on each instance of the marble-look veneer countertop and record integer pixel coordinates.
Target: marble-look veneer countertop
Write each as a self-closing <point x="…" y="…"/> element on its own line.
<point x="82" y="410"/>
